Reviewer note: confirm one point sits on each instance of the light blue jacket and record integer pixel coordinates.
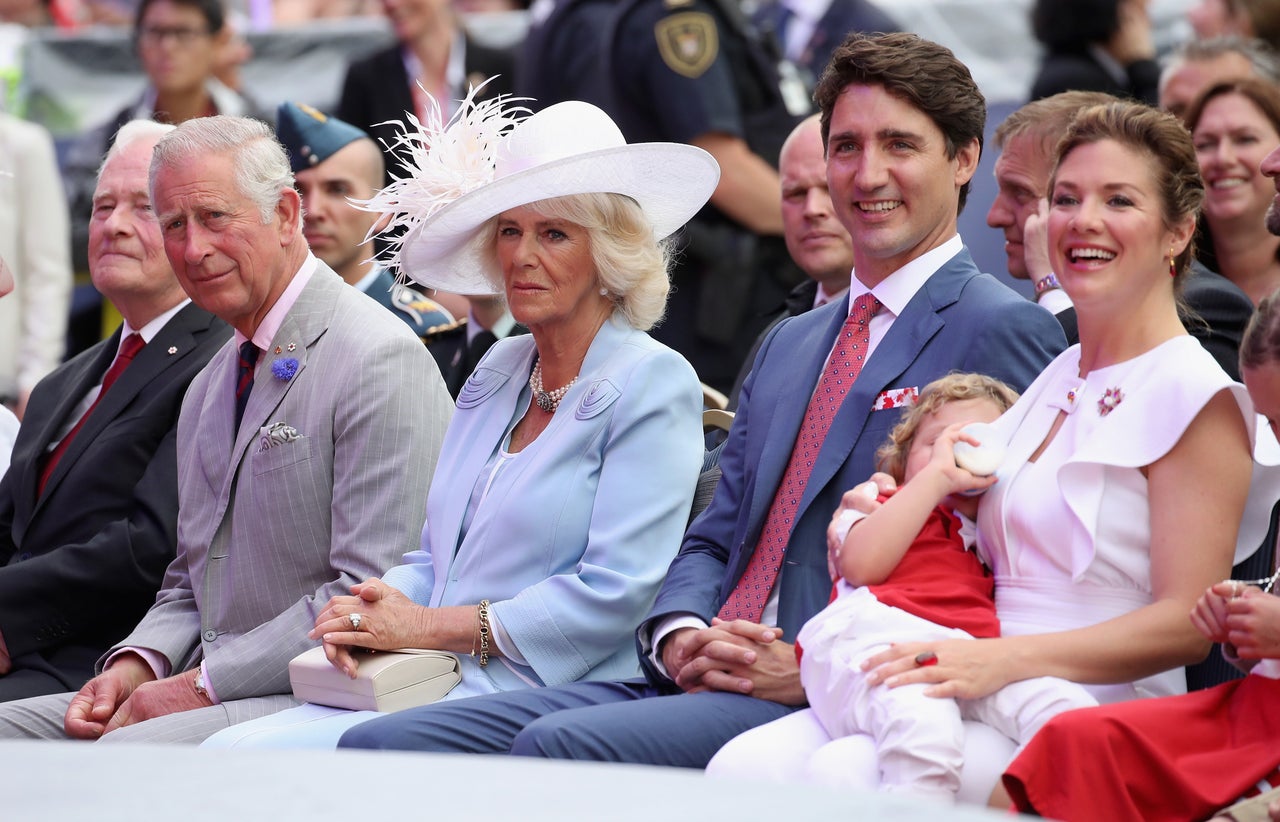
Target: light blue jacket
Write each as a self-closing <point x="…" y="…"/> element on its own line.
<point x="576" y="533"/>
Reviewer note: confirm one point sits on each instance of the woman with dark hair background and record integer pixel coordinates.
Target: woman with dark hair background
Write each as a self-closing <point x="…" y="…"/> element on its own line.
<point x="1095" y="45"/>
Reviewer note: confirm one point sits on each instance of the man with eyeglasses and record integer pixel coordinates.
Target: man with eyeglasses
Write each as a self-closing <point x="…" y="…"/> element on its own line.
<point x="177" y="43"/>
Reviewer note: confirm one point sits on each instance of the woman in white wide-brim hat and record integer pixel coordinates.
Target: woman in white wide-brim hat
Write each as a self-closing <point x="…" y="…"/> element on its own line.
<point x="566" y="476"/>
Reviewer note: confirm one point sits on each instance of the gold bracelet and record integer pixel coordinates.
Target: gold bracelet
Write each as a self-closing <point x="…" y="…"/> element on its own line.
<point x="482" y="616"/>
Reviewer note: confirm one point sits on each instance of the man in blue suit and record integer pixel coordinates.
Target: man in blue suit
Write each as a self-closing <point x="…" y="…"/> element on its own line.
<point x="903" y="123"/>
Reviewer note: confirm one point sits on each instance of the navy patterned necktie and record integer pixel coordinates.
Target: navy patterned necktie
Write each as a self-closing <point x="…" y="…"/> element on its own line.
<point x="244" y="377"/>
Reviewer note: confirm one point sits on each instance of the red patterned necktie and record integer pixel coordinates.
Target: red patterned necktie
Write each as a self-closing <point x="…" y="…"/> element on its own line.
<point x="748" y="598"/>
<point x="128" y="350"/>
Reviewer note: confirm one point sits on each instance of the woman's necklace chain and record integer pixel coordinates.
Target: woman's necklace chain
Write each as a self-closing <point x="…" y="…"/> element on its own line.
<point x="548" y="401"/>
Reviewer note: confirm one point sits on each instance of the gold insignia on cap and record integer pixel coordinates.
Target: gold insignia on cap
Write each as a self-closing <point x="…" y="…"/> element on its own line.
<point x="313" y="112"/>
<point x="688" y="42"/>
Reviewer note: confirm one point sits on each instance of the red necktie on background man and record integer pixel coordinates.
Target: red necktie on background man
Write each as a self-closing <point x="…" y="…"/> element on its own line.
<point x="128" y="350"/>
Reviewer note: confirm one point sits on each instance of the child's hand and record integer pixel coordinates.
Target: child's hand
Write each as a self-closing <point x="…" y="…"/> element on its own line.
<point x="1210" y="614"/>
<point x="942" y="461"/>
<point x="856" y="503"/>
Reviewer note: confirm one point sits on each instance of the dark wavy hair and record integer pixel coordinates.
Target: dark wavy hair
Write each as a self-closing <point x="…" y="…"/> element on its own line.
<point x="919" y="71"/>
<point x="1071" y="25"/>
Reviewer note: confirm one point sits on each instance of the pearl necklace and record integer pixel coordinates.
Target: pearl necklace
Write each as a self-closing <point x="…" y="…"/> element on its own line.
<point x="548" y="401"/>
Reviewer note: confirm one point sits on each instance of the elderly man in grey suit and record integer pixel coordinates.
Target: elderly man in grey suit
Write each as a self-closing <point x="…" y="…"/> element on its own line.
<point x="305" y="449"/>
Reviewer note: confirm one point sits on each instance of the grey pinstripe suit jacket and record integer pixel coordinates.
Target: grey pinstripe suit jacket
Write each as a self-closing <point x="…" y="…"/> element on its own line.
<point x="266" y="535"/>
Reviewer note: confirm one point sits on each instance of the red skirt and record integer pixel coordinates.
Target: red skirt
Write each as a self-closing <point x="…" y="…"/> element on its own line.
<point x="1175" y="758"/>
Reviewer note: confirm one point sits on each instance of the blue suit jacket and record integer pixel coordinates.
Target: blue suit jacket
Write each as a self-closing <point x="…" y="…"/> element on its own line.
<point x="958" y="320"/>
<point x="575" y="534"/>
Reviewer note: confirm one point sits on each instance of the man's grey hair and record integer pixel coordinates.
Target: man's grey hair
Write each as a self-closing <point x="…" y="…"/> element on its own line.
<point x="262" y="169"/>
<point x="130" y="133"/>
<point x="1262" y="57"/>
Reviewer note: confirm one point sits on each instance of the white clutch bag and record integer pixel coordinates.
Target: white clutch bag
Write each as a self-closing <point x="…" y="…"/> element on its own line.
<point x="385" y="680"/>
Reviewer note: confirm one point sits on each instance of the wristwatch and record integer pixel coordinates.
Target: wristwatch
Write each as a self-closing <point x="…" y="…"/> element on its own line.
<point x="198" y="682"/>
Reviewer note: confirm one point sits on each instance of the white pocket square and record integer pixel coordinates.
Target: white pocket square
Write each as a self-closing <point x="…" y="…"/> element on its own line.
<point x="277" y="433"/>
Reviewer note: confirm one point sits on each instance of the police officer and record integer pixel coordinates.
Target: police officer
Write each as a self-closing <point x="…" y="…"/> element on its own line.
<point x="699" y="72"/>
<point x="332" y="162"/>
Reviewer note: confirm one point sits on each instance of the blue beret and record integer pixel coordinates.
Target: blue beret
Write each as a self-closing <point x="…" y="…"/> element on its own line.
<point x="310" y="136"/>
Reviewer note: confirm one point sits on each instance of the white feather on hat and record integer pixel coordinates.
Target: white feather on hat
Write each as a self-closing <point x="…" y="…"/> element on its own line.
<point x="486" y="161"/>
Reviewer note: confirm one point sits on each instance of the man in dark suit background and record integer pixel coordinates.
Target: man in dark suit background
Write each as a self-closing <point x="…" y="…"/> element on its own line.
<point x="808" y="31"/>
<point x="459" y="346"/>
<point x="559" y="58"/>
<point x="903" y="123"/>
<point x="433" y="50"/>
<point x="89" y="506"/>
<point x="816" y="241"/>
<point x="1217" y="310"/>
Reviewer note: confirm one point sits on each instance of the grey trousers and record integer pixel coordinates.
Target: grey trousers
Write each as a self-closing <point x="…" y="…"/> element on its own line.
<point x="41" y="718"/>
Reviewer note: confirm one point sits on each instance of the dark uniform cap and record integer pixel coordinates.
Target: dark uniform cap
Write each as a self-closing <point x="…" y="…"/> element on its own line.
<point x="310" y="136"/>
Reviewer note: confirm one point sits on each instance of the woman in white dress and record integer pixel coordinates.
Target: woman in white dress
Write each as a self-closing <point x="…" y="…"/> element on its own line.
<point x="1125" y="479"/>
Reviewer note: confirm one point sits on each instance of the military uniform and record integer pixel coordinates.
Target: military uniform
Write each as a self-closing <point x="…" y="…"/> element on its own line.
<point x="420" y="312"/>
<point x="456" y="352"/>
<point x="310" y="137"/>
<point x="677" y="70"/>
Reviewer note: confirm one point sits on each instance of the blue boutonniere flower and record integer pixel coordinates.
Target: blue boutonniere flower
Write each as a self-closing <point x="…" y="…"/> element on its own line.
<point x="283" y="369"/>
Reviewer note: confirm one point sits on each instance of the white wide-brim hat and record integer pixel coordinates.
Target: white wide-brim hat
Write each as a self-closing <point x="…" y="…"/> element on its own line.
<point x="567" y="148"/>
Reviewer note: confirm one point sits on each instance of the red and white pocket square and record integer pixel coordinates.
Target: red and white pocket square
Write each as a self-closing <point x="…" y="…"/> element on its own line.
<point x="896" y="398"/>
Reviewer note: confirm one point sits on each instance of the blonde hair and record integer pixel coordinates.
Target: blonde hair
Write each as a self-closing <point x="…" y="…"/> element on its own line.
<point x="631" y="263"/>
<point x="892" y="456"/>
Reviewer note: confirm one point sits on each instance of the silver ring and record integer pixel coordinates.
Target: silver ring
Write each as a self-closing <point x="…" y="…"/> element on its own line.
<point x="355" y="621"/>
